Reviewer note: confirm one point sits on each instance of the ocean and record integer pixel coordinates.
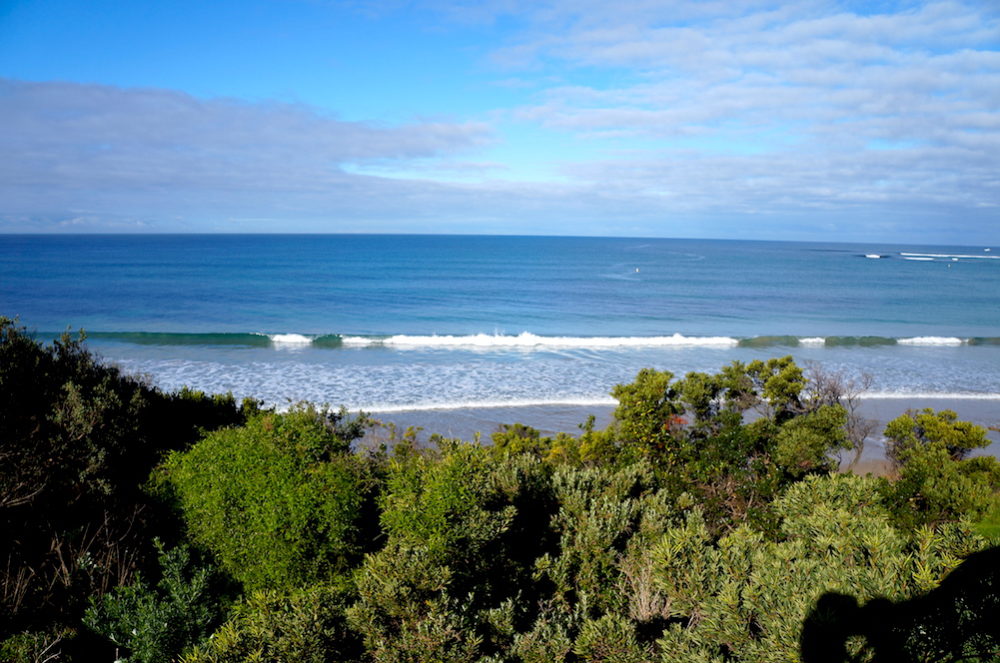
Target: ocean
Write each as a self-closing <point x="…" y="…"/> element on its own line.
<point x="428" y="323"/>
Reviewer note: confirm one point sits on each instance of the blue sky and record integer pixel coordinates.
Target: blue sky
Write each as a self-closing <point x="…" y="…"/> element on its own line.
<point x="742" y="119"/>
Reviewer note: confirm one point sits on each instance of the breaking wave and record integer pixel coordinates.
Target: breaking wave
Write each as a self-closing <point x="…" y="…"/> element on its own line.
<point x="524" y="340"/>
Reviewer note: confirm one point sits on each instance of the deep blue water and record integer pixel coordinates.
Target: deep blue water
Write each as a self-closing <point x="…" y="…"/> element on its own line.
<point x="400" y="321"/>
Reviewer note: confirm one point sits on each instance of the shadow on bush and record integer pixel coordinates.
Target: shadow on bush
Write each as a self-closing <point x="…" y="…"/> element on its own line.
<point x="957" y="621"/>
<point x="78" y="439"/>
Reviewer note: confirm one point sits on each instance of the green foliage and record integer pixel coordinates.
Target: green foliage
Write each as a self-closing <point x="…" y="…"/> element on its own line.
<point x="693" y="431"/>
<point x="280" y="501"/>
<point x="988" y="526"/>
<point x="306" y="626"/>
<point x="779" y="383"/>
<point x="934" y="488"/>
<point x="34" y="646"/>
<point x="155" y="623"/>
<point x="602" y="514"/>
<point x="77" y="441"/>
<point x="748" y="597"/>
<point x="935" y="484"/>
<point x="445" y="504"/>
<point x="411" y="608"/>
<point x="609" y="639"/>
<point x="463" y="527"/>
<point x="926" y="427"/>
<point x="592" y="447"/>
<point x="679" y="533"/>
<point x="645" y="411"/>
<point x="803" y="445"/>
<point x="518" y="439"/>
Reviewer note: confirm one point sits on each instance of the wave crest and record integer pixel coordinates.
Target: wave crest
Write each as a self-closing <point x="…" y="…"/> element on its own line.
<point x="529" y="340"/>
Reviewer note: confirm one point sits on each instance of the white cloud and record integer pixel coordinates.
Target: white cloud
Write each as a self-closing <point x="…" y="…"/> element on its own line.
<point x="107" y="132"/>
<point x="803" y="115"/>
<point x="75" y="152"/>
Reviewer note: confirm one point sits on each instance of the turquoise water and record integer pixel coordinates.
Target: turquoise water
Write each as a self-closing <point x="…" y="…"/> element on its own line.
<point x="399" y="322"/>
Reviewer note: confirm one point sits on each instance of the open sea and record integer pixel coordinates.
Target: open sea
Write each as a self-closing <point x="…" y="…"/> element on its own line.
<point x="393" y="323"/>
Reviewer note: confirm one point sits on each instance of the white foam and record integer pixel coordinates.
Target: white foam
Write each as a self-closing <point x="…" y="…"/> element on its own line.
<point x="813" y="340"/>
<point x="289" y="339"/>
<point x="918" y="258"/>
<point x="529" y="340"/>
<point x="357" y="340"/>
<point x="931" y="340"/>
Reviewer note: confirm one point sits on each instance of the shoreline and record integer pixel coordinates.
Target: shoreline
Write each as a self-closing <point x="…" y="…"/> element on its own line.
<point x="465" y="421"/>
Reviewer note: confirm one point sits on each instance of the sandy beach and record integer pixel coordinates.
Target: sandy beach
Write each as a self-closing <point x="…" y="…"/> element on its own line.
<point x="465" y="423"/>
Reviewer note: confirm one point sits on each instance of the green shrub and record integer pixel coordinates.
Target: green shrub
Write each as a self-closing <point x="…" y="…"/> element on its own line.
<point x="78" y="439"/>
<point x="748" y="598"/>
<point x="281" y="502"/>
<point x="926" y="427"/>
<point x="446" y="504"/>
<point x="34" y="646"/>
<point x="155" y="623"/>
<point x="609" y="639"/>
<point x="692" y="430"/>
<point x="936" y="482"/>
<point x="601" y="513"/>
<point x="463" y="527"/>
<point x="305" y="626"/>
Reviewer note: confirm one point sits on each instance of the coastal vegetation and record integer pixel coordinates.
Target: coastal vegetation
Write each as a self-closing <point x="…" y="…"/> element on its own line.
<point x="707" y="523"/>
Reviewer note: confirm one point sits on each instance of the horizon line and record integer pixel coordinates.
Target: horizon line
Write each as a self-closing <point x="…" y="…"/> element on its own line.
<point x="461" y="234"/>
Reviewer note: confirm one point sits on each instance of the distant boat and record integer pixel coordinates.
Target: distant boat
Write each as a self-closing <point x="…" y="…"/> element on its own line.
<point x="873" y="256"/>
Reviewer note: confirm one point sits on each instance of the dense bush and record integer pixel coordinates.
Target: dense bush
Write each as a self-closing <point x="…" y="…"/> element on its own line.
<point x="77" y="442"/>
<point x="706" y="523"/>
<point x="937" y="482"/>
<point x="463" y="527"/>
<point x="281" y="502"/>
<point x="744" y="598"/>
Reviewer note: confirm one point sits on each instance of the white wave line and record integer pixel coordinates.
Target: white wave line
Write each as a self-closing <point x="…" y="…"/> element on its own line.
<point x="529" y="340"/>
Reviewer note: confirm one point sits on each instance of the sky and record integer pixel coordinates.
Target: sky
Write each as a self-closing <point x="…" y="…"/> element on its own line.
<point x="744" y="119"/>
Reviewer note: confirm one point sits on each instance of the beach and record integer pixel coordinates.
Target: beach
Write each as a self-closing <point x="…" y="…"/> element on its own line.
<point x="466" y="423"/>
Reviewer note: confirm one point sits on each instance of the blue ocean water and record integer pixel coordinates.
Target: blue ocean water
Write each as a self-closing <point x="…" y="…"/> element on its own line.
<point x="387" y="323"/>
